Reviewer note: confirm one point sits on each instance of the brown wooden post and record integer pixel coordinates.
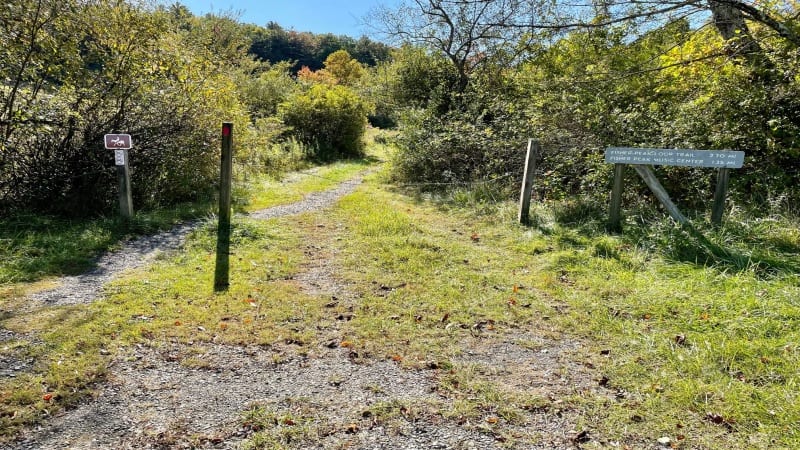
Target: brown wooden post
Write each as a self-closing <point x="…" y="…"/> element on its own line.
<point x="661" y="194"/>
<point x="222" y="269"/>
<point x="719" y="196"/>
<point x="614" y="211"/>
<point x="527" y="182"/>
<point x="124" y="174"/>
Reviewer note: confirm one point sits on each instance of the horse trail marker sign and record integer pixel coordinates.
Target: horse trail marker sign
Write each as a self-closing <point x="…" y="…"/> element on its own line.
<point x="640" y="158"/>
<point x="118" y="141"/>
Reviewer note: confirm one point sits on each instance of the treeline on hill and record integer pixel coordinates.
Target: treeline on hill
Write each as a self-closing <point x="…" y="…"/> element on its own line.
<point x="71" y="71"/>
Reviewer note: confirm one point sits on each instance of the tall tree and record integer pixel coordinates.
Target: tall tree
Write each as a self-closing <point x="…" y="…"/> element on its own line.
<point x="464" y="31"/>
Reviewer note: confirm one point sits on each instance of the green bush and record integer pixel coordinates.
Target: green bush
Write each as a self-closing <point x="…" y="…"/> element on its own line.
<point x="330" y="120"/>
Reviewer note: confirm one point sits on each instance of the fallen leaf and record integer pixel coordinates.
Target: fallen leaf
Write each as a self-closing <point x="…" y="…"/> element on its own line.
<point x="346" y="344"/>
<point x="515" y="289"/>
<point x="445" y="317"/>
<point x="718" y="419"/>
<point x="288" y="421"/>
<point x="351" y="428"/>
<point x="178" y="323"/>
<point x="397" y="358"/>
<point x="47" y="397"/>
<point x="223" y="326"/>
<point x="491" y="420"/>
<point x="475" y="237"/>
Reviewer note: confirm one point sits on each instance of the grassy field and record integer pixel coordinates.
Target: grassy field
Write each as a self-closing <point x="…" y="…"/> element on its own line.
<point x="692" y="335"/>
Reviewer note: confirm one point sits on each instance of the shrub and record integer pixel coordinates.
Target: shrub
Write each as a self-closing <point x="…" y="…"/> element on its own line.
<point x="330" y="120"/>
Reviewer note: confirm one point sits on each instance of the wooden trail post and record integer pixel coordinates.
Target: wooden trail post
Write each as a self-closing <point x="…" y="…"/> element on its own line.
<point x="222" y="268"/>
<point x="121" y="143"/>
<point x="527" y="181"/>
<point x="641" y="158"/>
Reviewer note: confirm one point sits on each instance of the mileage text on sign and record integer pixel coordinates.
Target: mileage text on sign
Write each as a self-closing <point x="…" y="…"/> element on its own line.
<point x="675" y="157"/>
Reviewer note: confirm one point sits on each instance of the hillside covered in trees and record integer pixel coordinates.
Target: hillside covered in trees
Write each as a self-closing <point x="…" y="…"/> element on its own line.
<point x="465" y="82"/>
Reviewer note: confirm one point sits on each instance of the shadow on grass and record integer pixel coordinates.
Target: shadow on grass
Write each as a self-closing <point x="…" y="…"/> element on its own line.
<point x="765" y="256"/>
<point x="33" y="247"/>
<point x="698" y="248"/>
<point x="579" y="223"/>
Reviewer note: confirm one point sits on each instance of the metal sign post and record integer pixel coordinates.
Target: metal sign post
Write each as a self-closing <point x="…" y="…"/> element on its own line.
<point x="121" y="143"/>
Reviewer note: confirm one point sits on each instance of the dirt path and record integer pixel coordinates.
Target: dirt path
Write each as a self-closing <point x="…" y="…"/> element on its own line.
<point x="195" y="396"/>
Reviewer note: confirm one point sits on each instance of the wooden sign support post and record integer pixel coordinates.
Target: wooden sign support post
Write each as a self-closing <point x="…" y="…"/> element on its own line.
<point x="719" y="196"/>
<point x="527" y="182"/>
<point x="222" y="268"/>
<point x="640" y="158"/>
<point x="615" y="211"/>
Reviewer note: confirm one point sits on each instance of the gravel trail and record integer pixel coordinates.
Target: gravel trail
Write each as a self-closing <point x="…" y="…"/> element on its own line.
<point x="172" y="395"/>
<point x="86" y="287"/>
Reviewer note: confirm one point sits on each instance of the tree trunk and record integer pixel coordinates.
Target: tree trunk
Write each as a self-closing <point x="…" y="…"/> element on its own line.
<point x="731" y="25"/>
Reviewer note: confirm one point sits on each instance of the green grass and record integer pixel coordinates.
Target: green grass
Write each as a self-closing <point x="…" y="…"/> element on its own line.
<point x="692" y="333"/>
<point x="696" y="329"/>
<point x="264" y="191"/>
<point x="34" y="247"/>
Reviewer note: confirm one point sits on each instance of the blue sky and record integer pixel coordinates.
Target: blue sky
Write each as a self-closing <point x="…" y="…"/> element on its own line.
<point x="318" y="16"/>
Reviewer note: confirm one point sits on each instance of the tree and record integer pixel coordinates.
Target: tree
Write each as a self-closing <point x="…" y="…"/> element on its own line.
<point x="343" y="68"/>
<point x="464" y="31"/>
